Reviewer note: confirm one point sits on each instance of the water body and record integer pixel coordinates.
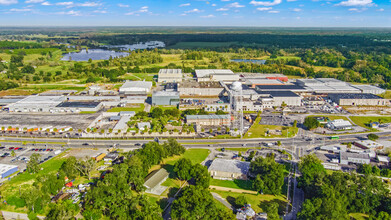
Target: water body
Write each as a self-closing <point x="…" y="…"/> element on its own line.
<point x="104" y="54"/>
<point x="249" y="61"/>
<point x="93" y="54"/>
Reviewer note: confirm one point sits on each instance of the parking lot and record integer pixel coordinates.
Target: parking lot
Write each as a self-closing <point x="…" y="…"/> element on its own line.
<point x="19" y="156"/>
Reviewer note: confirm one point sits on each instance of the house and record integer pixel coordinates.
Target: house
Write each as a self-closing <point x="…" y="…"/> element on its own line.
<point x="339" y="124"/>
<point x="143" y="125"/>
<point x="229" y="169"/>
<point x="154" y="180"/>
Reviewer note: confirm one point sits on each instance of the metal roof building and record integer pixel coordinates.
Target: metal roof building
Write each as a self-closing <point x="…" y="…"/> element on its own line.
<point x="7" y="170"/>
<point x="136" y="86"/>
<point x="154" y="180"/>
<point x="170" y="75"/>
<point x="165" y="98"/>
<point x="229" y="169"/>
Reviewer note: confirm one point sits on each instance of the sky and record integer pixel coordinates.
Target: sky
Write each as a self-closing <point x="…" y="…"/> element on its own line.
<point x="260" y="13"/>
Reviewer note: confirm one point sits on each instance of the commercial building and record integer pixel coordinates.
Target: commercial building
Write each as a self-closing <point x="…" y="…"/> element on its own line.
<point x="135" y="87"/>
<point x="326" y="85"/>
<point x="170" y="75"/>
<point x="36" y="103"/>
<point x="275" y="76"/>
<point x="154" y="180"/>
<point x="7" y="170"/>
<point x="368" y="144"/>
<point x="384" y="160"/>
<point x="224" y="75"/>
<point x="209" y="120"/>
<point x="165" y="98"/>
<point x="257" y="82"/>
<point x="79" y="106"/>
<point x="279" y="97"/>
<point x="229" y="169"/>
<point x="352" y="99"/>
<point x="370" y="89"/>
<point x="203" y="89"/>
<point x="339" y="124"/>
<point x="334" y="148"/>
<point x="356" y="158"/>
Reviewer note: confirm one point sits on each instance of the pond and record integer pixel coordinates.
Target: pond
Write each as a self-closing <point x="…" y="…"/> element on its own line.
<point x="107" y="51"/>
<point x="249" y="61"/>
<point x="93" y="54"/>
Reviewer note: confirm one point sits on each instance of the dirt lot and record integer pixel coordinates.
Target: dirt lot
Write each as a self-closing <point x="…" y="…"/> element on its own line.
<point x="85" y="152"/>
<point x="76" y="121"/>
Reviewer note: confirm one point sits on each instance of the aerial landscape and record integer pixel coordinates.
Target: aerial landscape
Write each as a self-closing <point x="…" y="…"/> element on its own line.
<point x="182" y="110"/>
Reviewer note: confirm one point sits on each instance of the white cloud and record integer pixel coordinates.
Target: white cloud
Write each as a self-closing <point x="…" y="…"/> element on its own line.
<point x="100" y="12"/>
<point x="380" y="9"/>
<point x="265" y="3"/>
<point x="234" y="5"/>
<point x="356" y="3"/>
<point x="71" y="12"/>
<point x="357" y="9"/>
<point x="123" y="6"/>
<point x="8" y="2"/>
<point x="46" y="3"/>
<point x="208" y="16"/>
<point x="274" y="12"/>
<point x="222" y="9"/>
<point x="33" y="1"/>
<point x="196" y="10"/>
<point x="264" y="8"/>
<point x="297" y="9"/>
<point x="64" y="3"/>
<point x="89" y="4"/>
<point x="184" y="5"/>
<point x="214" y="5"/>
<point x="143" y="9"/>
<point x="291" y="0"/>
<point x="20" y="9"/>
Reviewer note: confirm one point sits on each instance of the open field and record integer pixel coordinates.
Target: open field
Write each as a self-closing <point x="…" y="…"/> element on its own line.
<point x="121" y="109"/>
<point x="257" y="130"/>
<point x="364" y="121"/>
<point x="359" y="216"/>
<point x="331" y="117"/>
<point x="258" y="202"/>
<point x="235" y="184"/>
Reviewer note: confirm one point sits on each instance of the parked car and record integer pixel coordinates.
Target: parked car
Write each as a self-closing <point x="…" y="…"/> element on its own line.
<point x="11" y="148"/>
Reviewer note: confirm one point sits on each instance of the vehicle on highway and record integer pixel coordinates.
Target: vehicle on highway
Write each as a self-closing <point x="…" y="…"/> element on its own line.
<point x="11" y="148"/>
<point x="334" y="137"/>
<point x="2" y="148"/>
<point x="137" y="144"/>
<point x="85" y="144"/>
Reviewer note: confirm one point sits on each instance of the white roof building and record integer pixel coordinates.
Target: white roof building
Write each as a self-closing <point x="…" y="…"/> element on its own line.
<point x="143" y="125"/>
<point x="136" y="87"/>
<point x="7" y="170"/>
<point x="170" y="75"/>
<point x="216" y="75"/>
<point x="339" y="124"/>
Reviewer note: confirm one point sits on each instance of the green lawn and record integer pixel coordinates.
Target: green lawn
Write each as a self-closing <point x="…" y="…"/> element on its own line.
<point x="359" y="216"/>
<point x="258" y="202"/>
<point x="258" y="131"/>
<point x="235" y="184"/>
<point x="331" y="117"/>
<point x="196" y="155"/>
<point x="88" y="112"/>
<point x="364" y="121"/>
<point x="121" y="109"/>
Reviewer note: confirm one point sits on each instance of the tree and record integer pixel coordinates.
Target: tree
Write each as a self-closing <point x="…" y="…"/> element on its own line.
<point x="157" y="113"/>
<point x="201" y="176"/>
<point x="183" y="168"/>
<point x="270" y="172"/>
<point x="295" y="123"/>
<point x="312" y="171"/>
<point x="372" y="137"/>
<point x="241" y="201"/>
<point x="86" y="166"/>
<point x="13" y="154"/>
<point x="69" y="168"/>
<point x="33" y="164"/>
<point x="278" y="143"/>
<point x="63" y="210"/>
<point x="272" y="211"/>
<point x="311" y="123"/>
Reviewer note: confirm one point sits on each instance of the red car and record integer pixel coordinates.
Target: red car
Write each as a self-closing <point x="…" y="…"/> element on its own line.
<point x="47" y="149"/>
<point x="36" y="149"/>
<point x="16" y="148"/>
<point x="11" y="148"/>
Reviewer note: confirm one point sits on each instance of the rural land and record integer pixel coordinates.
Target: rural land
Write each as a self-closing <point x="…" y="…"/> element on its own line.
<point x="195" y="123"/>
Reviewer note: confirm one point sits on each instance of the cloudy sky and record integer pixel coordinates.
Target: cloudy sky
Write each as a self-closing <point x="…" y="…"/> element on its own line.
<point x="286" y="13"/>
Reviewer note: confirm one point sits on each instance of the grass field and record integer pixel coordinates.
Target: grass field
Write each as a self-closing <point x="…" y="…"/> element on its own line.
<point x="386" y="95"/>
<point x="359" y="216"/>
<point x="235" y="184"/>
<point x="364" y="121"/>
<point x="258" y="202"/>
<point x="331" y="117"/>
<point x="258" y="131"/>
<point x="121" y="109"/>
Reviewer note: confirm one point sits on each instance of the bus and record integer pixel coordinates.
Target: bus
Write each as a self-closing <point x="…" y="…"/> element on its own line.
<point x="334" y="137"/>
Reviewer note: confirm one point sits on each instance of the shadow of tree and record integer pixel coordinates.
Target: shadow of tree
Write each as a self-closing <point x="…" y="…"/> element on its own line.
<point x="231" y="200"/>
<point x="172" y="191"/>
<point x="170" y="170"/>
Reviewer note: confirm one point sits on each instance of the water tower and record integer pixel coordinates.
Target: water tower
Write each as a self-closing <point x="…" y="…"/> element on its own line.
<point x="236" y="103"/>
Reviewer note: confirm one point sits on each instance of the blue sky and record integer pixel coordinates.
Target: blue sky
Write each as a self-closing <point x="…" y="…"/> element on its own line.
<point x="285" y="13"/>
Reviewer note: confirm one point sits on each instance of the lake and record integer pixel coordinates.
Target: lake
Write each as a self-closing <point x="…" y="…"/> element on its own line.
<point x="249" y="61"/>
<point x="104" y="54"/>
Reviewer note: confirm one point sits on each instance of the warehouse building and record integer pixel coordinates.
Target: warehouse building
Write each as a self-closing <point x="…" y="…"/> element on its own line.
<point x="326" y="85"/>
<point x="170" y="75"/>
<point x="79" y="106"/>
<point x="277" y="76"/>
<point x="339" y="124"/>
<point x="135" y="87"/>
<point x="370" y="89"/>
<point x="165" y="98"/>
<point x="203" y="89"/>
<point x="279" y="97"/>
<point x="36" y="103"/>
<point x="217" y="75"/>
<point x="347" y="157"/>
<point x="7" y="170"/>
<point x="209" y="120"/>
<point x="154" y="180"/>
<point x="368" y="144"/>
<point x="257" y="82"/>
<point x="352" y="99"/>
<point x="227" y="169"/>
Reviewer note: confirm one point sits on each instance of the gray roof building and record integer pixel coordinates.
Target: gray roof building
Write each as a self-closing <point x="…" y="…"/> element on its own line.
<point x="229" y="169"/>
<point x="154" y="180"/>
<point x="357" y="158"/>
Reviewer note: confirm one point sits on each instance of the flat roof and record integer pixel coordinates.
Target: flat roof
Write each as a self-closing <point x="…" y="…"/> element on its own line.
<point x="368" y="87"/>
<point x="355" y="96"/>
<point x="137" y="84"/>
<point x="347" y="155"/>
<point x="207" y="72"/>
<point x="231" y="166"/>
<point x="6" y="167"/>
<point x="166" y="93"/>
<point x="170" y="71"/>
<point x="279" y="93"/>
<point x="279" y="87"/>
<point x="78" y="104"/>
<point x="200" y="117"/>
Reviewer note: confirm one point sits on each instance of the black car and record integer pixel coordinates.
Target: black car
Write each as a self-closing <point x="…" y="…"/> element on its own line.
<point x="85" y="144"/>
